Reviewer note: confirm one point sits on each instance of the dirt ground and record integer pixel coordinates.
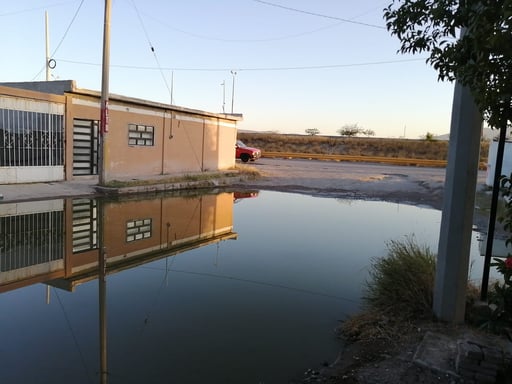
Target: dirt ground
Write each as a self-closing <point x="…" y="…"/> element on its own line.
<point x="380" y="360"/>
<point x="420" y="186"/>
<point x="414" y="185"/>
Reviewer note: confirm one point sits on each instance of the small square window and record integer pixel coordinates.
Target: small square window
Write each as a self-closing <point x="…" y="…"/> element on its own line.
<point x="139" y="229"/>
<point x="141" y="135"/>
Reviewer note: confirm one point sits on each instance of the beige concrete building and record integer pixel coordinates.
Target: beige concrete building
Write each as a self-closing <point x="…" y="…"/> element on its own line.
<point x="50" y="132"/>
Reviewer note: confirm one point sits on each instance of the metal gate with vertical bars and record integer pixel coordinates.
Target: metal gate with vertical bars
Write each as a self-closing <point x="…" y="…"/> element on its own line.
<point x="31" y="133"/>
<point x="85" y="147"/>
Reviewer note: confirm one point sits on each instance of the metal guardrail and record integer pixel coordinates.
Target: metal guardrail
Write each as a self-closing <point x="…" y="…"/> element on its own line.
<point x="367" y="159"/>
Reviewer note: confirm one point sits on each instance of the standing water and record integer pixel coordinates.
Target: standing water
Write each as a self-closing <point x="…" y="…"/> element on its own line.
<point x="215" y="288"/>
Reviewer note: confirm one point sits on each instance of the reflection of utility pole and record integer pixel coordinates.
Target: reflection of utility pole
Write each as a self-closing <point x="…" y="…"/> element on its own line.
<point x="233" y="92"/>
<point x="102" y="294"/>
<point x="223" y="96"/>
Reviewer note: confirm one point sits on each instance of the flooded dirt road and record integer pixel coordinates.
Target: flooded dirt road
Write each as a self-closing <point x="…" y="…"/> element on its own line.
<point x="405" y="184"/>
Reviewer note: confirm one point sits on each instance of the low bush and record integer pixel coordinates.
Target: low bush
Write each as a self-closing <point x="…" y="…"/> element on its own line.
<point x="399" y="296"/>
<point x="361" y="146"/>
<point x="402" y="283"/>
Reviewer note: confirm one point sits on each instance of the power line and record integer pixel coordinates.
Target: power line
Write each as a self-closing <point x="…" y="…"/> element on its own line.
<point x="63" y="37"/>
<point x="319" y="14"/>
<point x="258" y="282"/>
<point x="255" y="69"/>
<point x="35" y="8"/>
<point x="75" y="340"/>
<point x="69" y="27"/>
<point x="260" y="40"/>
<point x="152" y="49"/>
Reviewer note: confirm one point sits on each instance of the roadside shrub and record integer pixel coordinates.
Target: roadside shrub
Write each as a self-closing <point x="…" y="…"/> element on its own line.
<point x="274" y="142"/>
<point x="248" y="171"/>
<point x="402" y="283"/>
<point x="365" y="146"/>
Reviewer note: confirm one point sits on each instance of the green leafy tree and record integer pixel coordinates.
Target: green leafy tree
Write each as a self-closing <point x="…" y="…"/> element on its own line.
<point x="312" y="131"/>
<point x="480" y="58"/>
<point x="469" y="41"/>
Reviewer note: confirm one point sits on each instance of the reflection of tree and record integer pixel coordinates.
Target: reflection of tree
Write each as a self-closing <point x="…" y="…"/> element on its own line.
<point x="345" y="201"/>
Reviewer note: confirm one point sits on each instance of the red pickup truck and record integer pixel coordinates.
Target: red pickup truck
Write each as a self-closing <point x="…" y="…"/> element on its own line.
<point x="245" y="153"/>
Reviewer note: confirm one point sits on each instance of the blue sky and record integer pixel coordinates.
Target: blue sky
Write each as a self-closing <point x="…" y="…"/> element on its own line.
<point x="299" y="64"/>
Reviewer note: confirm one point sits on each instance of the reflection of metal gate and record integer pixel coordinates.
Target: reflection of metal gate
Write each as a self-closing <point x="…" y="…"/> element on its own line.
<point x="32" y="239"/>
<point x="85" y="225"/>
<point x="85" y="147"/>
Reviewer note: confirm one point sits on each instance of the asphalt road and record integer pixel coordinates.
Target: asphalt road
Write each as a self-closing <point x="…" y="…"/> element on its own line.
<point x="405" y="184"/>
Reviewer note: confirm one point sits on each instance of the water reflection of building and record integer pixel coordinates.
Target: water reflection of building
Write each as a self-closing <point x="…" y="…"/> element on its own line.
<point x="57" y="241"/>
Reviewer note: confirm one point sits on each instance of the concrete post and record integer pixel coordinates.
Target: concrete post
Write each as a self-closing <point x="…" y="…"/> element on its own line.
<point x="104" y="149"/>
<point x="458" y="206"/>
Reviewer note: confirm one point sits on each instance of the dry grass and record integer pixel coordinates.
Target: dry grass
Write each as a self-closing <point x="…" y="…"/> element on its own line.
<point x="173" y="179"/>
<point x="247" y="170"/>
<point x="398" y="293"/>
<point x="359" y="146"/>
<point x="399" y="296"/>
<point x="402" y="283"/>
<point x="373" y="325"/>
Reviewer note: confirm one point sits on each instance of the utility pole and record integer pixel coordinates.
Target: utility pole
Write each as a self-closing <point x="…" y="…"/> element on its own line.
<point x="47" y="36"/>
<point x="233" y="92"/>
<point x="48" y="78"/>
<point x="223" y="96"/>
<point x="104" y="149"/>
<point x="172" y="87"/>
<point x="103" y="179"/>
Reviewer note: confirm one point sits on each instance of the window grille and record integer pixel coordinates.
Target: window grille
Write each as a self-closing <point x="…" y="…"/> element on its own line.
<point x="138" y="229"/>
<point x="141" y="135"/>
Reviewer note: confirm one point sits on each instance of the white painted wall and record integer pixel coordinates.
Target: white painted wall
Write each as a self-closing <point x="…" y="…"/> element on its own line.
<point x="19" y="175"/>
<point x="506" y="168"/>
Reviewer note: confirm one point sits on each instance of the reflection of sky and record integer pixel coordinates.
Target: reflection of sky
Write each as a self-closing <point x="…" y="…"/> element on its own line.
<point x="261" y="308"/>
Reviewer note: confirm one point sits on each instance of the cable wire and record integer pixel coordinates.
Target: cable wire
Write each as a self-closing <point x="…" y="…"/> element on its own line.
<point x="75" y="340"/>
<point x="319" y="14"/>
<point x="152" y="49"/>
<point x="153" y="305"/>
<point x="306" y="67"/>
<point x="261" y="40"/>
<point x="63" y="37"/>
<point x="35" y="8"/>
<point x="258" y="282"/>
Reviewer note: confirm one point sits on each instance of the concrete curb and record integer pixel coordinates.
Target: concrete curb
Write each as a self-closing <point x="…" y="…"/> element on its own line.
<point x="163" y="187"/>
